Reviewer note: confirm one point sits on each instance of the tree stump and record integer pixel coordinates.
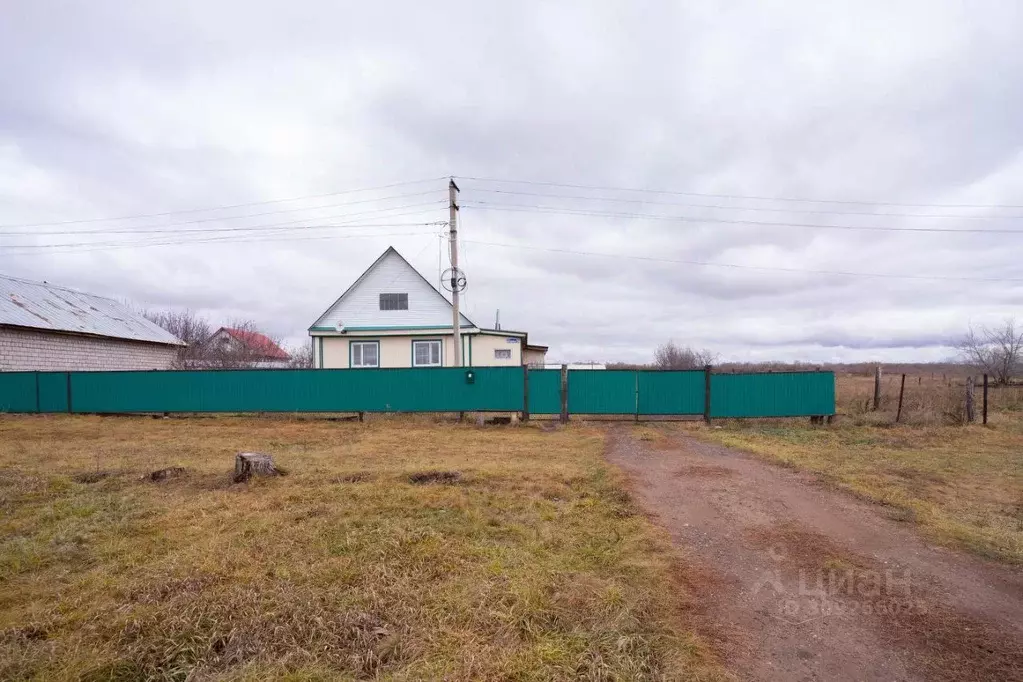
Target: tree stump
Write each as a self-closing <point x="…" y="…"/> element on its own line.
<point x="249" y="464"/>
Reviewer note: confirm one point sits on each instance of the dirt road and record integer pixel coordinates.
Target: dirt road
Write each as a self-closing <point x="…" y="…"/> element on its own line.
<point x="802" y="582"/>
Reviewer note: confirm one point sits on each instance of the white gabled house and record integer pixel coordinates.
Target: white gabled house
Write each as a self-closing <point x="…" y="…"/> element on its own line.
<point x="391" y="316"/>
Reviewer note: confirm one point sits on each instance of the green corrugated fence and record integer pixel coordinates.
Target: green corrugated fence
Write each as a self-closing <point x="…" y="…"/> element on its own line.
<point x="601" y="391"/>
<point x="776" y="394"/>
<point x="355" y="390"/>
<point x="54" y="389"/>
<point x="19" y="392"/>
<point x="544" y="391"/>
<point x="671" y="392"/>
<point x="497" y="389"/>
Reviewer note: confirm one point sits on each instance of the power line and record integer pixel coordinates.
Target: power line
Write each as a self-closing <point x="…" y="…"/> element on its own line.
<point x="770" y="209"/>
<point x="248" y="231"/>
<point x="229" y="239"/>
<point x="693" y="219"/>
<point x="287" y="227"/>
<point x="745" y="267"/>
<point x="860" y="202"/>
<point x="146" y="228"/>
<point x="225" y="207"/>
<point x="292" y="223"/>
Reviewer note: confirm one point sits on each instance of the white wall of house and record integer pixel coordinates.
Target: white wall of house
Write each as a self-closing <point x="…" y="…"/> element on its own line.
<point x="395" y="350"/>
<point x="485" y="345"/>
<point x="533" y="358"/>
<point x="45" y="351"/>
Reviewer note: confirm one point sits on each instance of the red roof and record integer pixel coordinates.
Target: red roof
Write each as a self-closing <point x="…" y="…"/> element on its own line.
<point x="259" y="343"/>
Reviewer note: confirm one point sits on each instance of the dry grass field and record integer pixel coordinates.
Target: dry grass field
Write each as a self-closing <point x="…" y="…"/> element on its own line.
<point x="962" y="484"/>
<point x="405" y="548"/>
<point x="527" y="562"/>
<point x="931" y="398"/>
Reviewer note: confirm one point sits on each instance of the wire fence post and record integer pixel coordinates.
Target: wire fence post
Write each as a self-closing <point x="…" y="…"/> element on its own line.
<point x="902" y="389"/>
<point x="985" y="400"/>
<point x="971" y="415"/>
<point x="877" y="388"/>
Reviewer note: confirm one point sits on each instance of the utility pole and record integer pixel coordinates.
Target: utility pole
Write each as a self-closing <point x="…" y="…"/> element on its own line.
<point x="453" y="234"/>
<point x="877" y="387"/>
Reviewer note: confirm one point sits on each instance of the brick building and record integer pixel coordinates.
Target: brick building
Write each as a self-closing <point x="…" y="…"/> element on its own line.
<point x="50" y="328"/>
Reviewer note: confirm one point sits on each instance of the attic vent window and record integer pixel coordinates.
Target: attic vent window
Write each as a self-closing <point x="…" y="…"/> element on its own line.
<point x="394" y="301"/>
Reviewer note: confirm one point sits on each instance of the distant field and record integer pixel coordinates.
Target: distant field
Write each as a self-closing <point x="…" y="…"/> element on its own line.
<point x="930" y="397"/>
<point x="962" y="484"/>
<point x="531" y="565"/>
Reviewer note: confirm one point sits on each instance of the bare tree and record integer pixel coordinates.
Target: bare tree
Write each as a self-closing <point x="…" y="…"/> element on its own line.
<point x="245" y="347"/>
<point x="302" y="355"/>
<point x="191" y="328"/>
<point x="996" y="351"/>
<point x="673" y="356"/>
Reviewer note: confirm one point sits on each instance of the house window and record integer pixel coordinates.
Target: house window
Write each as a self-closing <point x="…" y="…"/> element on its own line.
<point x="502" y="353"/>
<point x="365" y="353"/>
<point x="394" y="301"/>
<point x="426" y="354"/>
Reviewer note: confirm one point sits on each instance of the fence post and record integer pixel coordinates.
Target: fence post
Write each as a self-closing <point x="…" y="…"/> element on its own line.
<point x="706" y="393"/>
<point x="39" y="404"/>
<point x="68" y="375"/>
<point x="985" y="400"/>
<point x="877" y="387"/>
<point x="902" y="389"/>
<point x="636" y="394"/>
<point x="564" y="394"/>
<point x="971" y="414"/>
<point x="525" y="393"/>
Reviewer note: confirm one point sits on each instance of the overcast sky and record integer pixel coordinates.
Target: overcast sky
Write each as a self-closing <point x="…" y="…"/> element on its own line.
<point x="111" y="108"/>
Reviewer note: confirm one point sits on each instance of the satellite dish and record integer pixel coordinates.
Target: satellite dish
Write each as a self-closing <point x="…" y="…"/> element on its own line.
<point x="340" y="326"/>
<point x="453" y="279"/>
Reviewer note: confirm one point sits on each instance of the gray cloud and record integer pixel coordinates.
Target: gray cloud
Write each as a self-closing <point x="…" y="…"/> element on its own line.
<point x="109" y="109"/>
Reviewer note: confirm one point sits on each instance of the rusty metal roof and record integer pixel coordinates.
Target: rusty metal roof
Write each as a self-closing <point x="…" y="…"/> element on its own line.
<point x="260" y="344"/>
<point x="38" y="305"/>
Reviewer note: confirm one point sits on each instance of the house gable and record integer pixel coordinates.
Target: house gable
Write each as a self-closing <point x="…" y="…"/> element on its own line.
<point x="359" y="306"/>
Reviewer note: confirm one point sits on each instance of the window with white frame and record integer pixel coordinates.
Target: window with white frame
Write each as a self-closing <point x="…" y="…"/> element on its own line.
<point x="502" y="353"/>
<point x="426" y="353"/>
<point x="365" y="353"/>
